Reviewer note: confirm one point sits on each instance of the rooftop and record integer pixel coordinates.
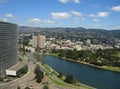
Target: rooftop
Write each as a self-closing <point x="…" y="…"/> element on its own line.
<point x="17" y="66"/>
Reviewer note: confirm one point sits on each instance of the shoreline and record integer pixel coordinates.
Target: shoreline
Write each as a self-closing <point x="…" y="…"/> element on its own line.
<point x="109" y="68"/>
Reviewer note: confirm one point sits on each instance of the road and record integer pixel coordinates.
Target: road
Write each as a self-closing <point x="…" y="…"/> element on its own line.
<point x="28" y="79"/>
<point x="23" y="80"/>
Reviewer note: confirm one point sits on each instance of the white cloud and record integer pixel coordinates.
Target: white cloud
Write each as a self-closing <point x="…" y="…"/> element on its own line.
<point x="77" y="19"/>
<point x="95" y="19"/>
<point x="48" y="22"/>
<point x="60" y="15"/>
<point x="64" y="1"/>
<point x="34" y="20"/>
<point x="103" y="14"/>
<point x="76" y="13"/>
<point x="97" y="25"/>
<point x="72" y="1"/>
<point x="76" y="1"/>
<point x="9" y="15"/>
<point x="116" y="8"/>
<point x="92" y="15"/>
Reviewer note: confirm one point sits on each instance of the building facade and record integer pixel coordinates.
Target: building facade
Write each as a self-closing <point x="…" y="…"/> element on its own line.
<point x="40" y="41"/>
<point x="34" y="41"/>
<point x="8" y="46"/>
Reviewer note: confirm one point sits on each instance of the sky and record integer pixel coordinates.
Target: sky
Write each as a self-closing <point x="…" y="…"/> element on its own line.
<point x="104" y="14"/>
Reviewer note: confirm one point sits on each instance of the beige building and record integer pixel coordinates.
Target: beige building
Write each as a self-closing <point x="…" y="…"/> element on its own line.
<point x="34" y="41"/>
<point x="40" y="41"/>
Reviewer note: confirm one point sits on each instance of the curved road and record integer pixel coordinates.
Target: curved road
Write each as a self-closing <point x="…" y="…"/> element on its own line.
<point x="23" y="80"/>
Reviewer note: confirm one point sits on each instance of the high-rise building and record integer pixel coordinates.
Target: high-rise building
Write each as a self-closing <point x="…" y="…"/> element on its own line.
<point x="8" y="46"/>
<point x="40" y="41"/>
<point x="34" y="41"/>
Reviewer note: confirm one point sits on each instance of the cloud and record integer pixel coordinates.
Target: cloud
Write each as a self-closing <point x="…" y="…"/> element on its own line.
<point x="103" y="14"/>
<point x="60" y="15"/>
<point x="92" y="15"/>
<point x="95" y="19"/>
<point x="116" y="8"/>
<point x="72" y="1"/>
<point x="76" y="13"/>
<point x="76" y="1"/>
<point x="48" y="22"/>
<point x="97" y="25"/>
<point x="64" y="1"/>
<point x="9" y="15"/>
<point x="34" y="20"/>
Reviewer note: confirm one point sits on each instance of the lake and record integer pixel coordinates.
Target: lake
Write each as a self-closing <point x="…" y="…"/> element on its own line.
<point x="95" y="77"/>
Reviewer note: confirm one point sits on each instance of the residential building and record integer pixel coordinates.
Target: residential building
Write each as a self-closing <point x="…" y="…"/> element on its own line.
<point x="40" y="41"/>
<point x="34" y="41"/>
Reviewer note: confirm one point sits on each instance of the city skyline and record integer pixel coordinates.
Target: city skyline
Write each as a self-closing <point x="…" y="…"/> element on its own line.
<point x="62" y="13"/>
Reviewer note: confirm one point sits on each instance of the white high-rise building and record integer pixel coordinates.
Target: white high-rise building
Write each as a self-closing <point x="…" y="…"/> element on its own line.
<point x="34" y="41"/>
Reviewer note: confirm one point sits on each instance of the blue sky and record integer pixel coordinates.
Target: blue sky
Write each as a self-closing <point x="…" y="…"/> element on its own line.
<point x="103" y="14"/>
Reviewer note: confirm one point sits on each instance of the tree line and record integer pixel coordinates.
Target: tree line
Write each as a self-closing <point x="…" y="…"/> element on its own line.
<point x="107" y="57"/>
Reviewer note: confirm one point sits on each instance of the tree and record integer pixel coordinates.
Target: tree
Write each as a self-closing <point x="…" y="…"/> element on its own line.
<point x="60" y="75"/>
<point x="69" y="78"/>
<point x="27" y="87"/>
<point x="37" y="68"/>
<point x="18" y="87"/>
<point x="39" y="74"/>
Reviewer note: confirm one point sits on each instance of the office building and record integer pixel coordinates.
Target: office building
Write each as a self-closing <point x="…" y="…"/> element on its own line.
<point x="8" y="46"/>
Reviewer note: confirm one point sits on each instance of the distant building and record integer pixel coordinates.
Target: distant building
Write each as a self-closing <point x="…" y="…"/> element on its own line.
<point x="34" y="41"/>
<point x="88" y="42"/>
<point x="8" y="46"/>
<point x="40" y="41"/>
<point x="31" y="49"/>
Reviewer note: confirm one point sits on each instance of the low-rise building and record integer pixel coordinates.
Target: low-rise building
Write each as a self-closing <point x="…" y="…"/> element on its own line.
<point x="15" y="69"/>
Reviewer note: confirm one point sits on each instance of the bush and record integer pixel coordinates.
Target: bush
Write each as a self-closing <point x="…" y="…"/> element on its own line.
<point x="69" y="79"/>
<point x="46" y="87"/>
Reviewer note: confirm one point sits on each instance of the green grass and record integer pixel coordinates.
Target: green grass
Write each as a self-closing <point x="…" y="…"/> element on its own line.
<point x="111" y="68"/>
<point x="20" y="59"/>
<point x="54" y="54"/>
<point x="82" y="85"/>
<point x="58" y="82"/>
<point x="50" y="69"/>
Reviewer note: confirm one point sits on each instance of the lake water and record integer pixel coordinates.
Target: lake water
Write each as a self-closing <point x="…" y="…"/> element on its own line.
<point x="95" y="77"/>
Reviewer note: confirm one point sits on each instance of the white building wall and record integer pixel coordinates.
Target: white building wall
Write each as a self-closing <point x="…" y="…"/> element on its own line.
<point x="11" y="72"/>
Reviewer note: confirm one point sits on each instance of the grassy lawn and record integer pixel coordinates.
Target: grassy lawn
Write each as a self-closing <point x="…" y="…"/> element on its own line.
<point x="111" y="68"/>
<point x="50" y="69"/>
<point x="54" y="54"/>
<point x="82" y="85"/>
<point x="58" y="82"/>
